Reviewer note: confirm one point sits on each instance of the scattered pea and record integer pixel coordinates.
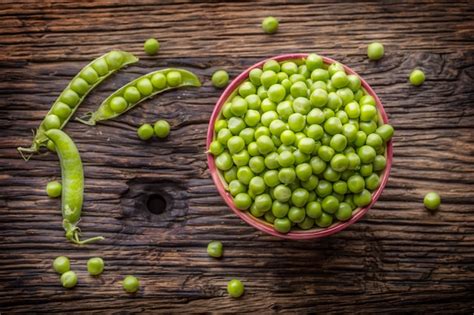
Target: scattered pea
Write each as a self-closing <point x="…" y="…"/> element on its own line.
<point x="145" y="132"/>
<point x="131" y="284"/>
<point x="95" y="266"/>
<point x="61" y="264"/>
<point x="220" y="78"/>
<point x="432" y="200"/>
<point x="417" y="77"/>
<point x="151" y="46"/>
<point x="375" y="51"/>
<point x="53" y="189"/>
<point x="69" y="279"/>
<point x="235" y="288"/>
<point x="270" y="25"/>
<point x="161" y="128"/>
<point x="214" y="249"/>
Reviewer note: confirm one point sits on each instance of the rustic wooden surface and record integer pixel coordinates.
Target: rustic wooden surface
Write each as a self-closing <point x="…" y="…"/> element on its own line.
<point x="398" y="258"/>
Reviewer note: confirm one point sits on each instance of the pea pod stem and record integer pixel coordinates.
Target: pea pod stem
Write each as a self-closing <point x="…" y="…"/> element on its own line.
<point x="72" y="184"/>
<point x="104" y="112"/>
<point x="76" y="91"/>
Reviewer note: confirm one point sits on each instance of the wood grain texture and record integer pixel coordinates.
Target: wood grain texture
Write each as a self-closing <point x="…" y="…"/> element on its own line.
<point x="399" y="258"/>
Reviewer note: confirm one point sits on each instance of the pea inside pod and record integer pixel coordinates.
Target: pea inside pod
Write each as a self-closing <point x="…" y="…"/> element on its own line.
<point x="72" y="96"/>
<point x="139" y="90"/>
<point x="72" y="184"/>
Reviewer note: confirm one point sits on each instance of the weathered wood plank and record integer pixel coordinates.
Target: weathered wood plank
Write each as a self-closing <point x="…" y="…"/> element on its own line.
<point x="399" y="258"/>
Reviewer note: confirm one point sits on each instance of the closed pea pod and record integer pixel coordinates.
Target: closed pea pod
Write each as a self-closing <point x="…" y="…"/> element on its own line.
<point x="76" y="91"/>
<point x="72" y="184"/>
<point x="139" y="90"/>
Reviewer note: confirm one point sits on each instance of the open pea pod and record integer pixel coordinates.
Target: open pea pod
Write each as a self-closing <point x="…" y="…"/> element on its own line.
<point x="72" y="96"/>
<point x="138" y="90"/>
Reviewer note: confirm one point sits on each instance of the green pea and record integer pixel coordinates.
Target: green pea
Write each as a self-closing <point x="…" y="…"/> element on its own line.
<point x="354" y="160"/>
<point x="242" y="201"/>
<point x="70" y="98"/>
<point x="299" y="89"/>
<point x="263" y="202"/>
<point x="306" y="224"/>
<point x="132" y="95"/>
<point x="366" y="154"/>
<point x="301" y="105"/>
<point x="69" y="279"/>
<point x="338" y="142"/>
<point x="231" y="174"/>
<point x="271" y="160"/>
<point x="268" y="79"/>
<point x="360" y="139"/>
<point x="50" y="145"/>
<point x="52" y="121"/>
<point x="252" y="118"/>
<point x="215" y="147"/>
<point x="235" y="288"/>
<point x="215" y="249"/>
<point x="331" y="175"/>
<point x="311" y="183"/>
<point x="352" y="109"/>
<point x="313" y="61"/>
<point x="319" y="75"/>
<point x="344" y="212"/>
<point x="90" y="75"/>
<point x="174" y="78"/>
<point x="368" y="126"/>
<point x="130" y="284"/>
<point x="285" y="109"/>
<point x="304" y="171"/>
<point x="114" y="59"/>
<point x="432" y="201"/>
<point x="385" y="132"/>
<point x="354" y="82"/>
<point x="253" y="101"/>
<point x="226" y="112"/>
<point x="417" y="77"/>
<point x="367" y="112"/>
<point x="268" y="117"/>
<point x="236" y="125"/>
<point x="339" y="162"/>
<point x="224" y="135"/>
<point x="145" y="132"/>
<point x="151" y="46"/>
<point x="333" y="126"/>
<point x="289" y="67"/>
<point x="379" y="163"/>
<point x="101" y="67"/>
<point x="254" y="76"/>
<point x="282" y="225"/>
<point x="246" y="89"/>
<point x="375" y="51"/>
<point x="374" y="140"/>
<point x="296" y="122"/>
<point x="282" y="193"/>
<point x="319" y="98"/>
<point x="61" y="110"/>
<point x="224" y="161"/>
<point x="356" y="184"/>
<point x="95" y="266"/>
<point x="324" y="188"/>
<point x="257" y="185"/>
<point x="324" y="220"/>
<point x="269" y="217"/>
<point x="161" y="128"/>
<point x="235" y="187"/>
<point x="61" y="264"/>
<point x="296" y="214"/>
<point x="257" y="164"/>
<point x="271" y="178"/>
<point x="265" y="144"/>
<point x="299" y="198"/>
<point x="241" y="158"/>
<point x="159" y="81"/>
<point x="220" y="78"/>
<point x="270" y="25"/>
<point x="367" y="100"/>
<point x="325" y="153"/>
<point x="54" y="189"/>
<point x="145" y="87"/>
<point x="80" y="86"/>
<point x="118" y="104"/>
<point x="238" y="106"/>
<point x="346" y="95"/>
<point x="245" y="174"/>
<point x="363" y="198"/>
<point x="272" y="65"/>
<point x="372" y="182"/>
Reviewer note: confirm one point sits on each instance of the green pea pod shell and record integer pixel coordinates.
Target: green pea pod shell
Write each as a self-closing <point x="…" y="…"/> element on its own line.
<point x="72" y="184"/>
<point x="139" y="90"/>
<point x="72" y="96"/>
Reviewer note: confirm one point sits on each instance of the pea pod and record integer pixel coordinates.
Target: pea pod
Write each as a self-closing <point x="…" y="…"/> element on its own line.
<point x="72" y="184"/>
<point x="138" y="90"/>
<point x="72" y="96"/>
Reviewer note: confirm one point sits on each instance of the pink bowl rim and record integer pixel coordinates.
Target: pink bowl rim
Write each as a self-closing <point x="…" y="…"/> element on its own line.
<point x="258" y="223"/>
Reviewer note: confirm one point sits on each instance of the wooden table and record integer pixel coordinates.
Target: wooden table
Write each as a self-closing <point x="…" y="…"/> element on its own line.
<point x="398" y="258"/>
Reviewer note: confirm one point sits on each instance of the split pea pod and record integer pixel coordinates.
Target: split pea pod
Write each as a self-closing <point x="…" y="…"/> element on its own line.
<point x="138" y="90"/>
<point x="72" y="96"/>
<point x="72" y="184"/>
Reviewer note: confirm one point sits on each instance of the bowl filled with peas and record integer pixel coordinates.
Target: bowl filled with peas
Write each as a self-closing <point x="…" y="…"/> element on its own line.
<point x="299" y="146"/>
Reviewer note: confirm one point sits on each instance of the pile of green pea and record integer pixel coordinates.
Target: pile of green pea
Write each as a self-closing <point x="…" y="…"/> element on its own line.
<point x="95" y="266"/>
<point x="300" y="144"/>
